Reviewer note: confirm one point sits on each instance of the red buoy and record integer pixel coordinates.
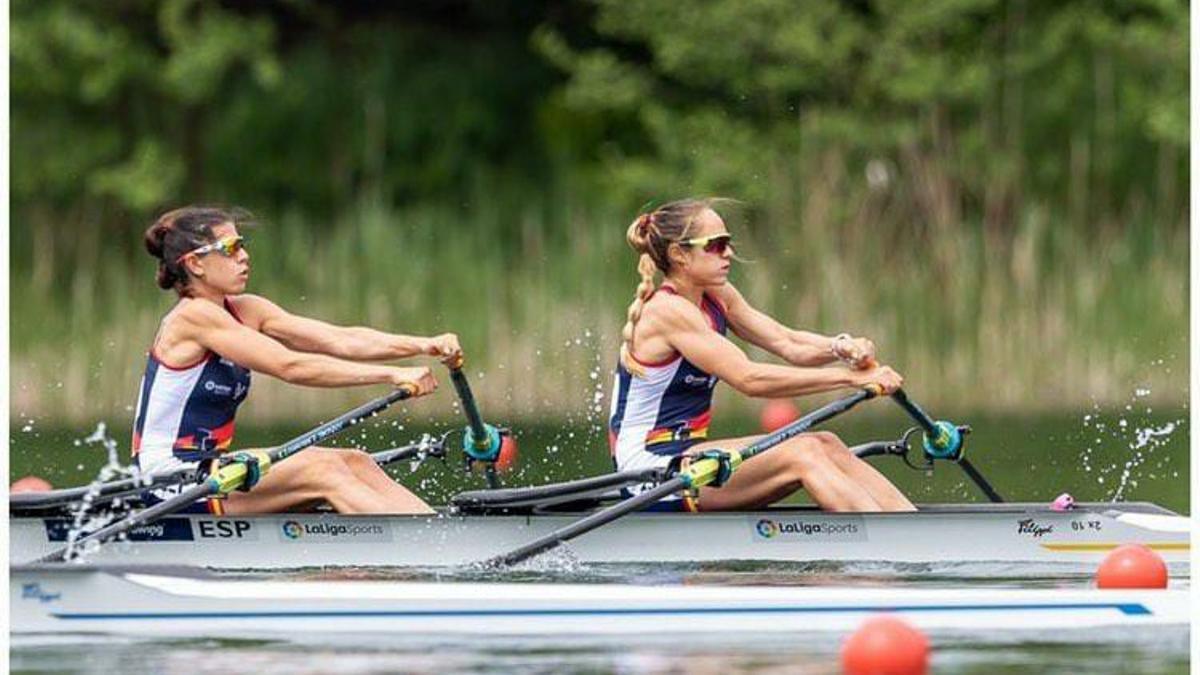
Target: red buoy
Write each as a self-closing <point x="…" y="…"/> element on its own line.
<point x="885" y="645"/>
<point x="508" y="454"/>
<point x="1132" y="566"/>
<point x="776" y="414"/>
<point x="30" y="484"/>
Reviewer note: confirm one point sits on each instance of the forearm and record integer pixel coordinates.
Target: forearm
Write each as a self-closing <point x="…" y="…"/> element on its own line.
<point x="358" y="343"/>
<point x="765" y="380"/>
<point x="317" y="370"/>
<point x="806" y="349"/>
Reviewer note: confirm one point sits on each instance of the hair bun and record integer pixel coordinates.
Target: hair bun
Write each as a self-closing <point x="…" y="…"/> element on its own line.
<point x="638" y="234"/>
<point x="154" y="239"/>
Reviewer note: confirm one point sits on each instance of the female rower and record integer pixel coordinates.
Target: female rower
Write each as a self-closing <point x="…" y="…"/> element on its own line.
<point x="674" y="351"/>
<point x="198" y="373"/>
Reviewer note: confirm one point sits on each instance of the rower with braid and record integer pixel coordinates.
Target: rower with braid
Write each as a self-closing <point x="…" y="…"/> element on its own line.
<point x="674" y="351"/>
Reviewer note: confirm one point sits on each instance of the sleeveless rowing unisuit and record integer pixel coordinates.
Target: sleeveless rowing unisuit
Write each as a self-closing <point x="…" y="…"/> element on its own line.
<point x="185" y="415"/>
<point x="660" y="413"/>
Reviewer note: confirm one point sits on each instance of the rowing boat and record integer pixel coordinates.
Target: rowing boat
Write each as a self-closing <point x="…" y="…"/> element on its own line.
<point x="149" y="602"/>
<point x="1019" y="533"/>
<point x="502" y="526"/>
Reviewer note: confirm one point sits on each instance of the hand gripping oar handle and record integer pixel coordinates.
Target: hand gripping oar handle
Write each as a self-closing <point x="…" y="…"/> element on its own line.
<point x="481" y="441"/>
<point x="231" y="476"/>
<point x="700" y="472"/>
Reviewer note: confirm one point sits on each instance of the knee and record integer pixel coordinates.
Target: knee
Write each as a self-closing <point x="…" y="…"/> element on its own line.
<point x="806" y="457"/>
<point x="832" y="447"/>
<point x="356" y="459"/>
<point x="327" y="466"/>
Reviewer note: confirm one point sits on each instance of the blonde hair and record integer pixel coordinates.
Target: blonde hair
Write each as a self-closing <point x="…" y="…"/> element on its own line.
<point x="651" y="235"/>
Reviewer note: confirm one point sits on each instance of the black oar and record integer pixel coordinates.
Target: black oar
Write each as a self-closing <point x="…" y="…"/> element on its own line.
<point x="233" y="475"/>
<point x="105" y="493"/>
<point x="28" y="502"/>
<point x="481" y="441"/>
<point x="700" y="472"/>
<point x="943" y="440"/>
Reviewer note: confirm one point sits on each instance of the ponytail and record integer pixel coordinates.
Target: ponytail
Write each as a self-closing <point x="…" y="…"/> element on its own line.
<point x="651" y="234"/>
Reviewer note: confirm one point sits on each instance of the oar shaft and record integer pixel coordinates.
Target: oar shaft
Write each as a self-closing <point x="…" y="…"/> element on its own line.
<point x="587" y="524"/>
<point x="470" y="408"/>
<point x="340" y="423"/>
<point x="822" y="414"/>
<point x="99" y="494"/>
<point x="914" y="411"/>
<point x="166" y="507"/>
<point x="705" y="468"/>
<point x="217" y="483"/>
<point x="980" y="482"/>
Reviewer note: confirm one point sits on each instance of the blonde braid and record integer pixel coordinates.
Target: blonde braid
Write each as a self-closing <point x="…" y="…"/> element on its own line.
<point x="638" y="237"/>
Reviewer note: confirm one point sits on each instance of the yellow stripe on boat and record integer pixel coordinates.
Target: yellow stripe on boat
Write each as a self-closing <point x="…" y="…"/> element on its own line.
<point x="1102" y="546"/>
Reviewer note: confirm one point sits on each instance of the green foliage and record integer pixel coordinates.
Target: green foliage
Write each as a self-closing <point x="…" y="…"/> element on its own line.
<point x="1042" y="103"/>
<point x="995" y="191"/>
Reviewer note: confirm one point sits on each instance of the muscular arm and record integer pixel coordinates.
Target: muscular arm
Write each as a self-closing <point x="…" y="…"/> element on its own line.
<point x="689" y="333"/>
<point x="216" y="330"/>
<point x="797" y="347"/>
<point x="352" y="343"/>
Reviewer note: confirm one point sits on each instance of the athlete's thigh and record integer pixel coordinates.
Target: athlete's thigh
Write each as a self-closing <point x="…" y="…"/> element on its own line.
<point x="285" y="486"/>
<point x="759" y="480"/>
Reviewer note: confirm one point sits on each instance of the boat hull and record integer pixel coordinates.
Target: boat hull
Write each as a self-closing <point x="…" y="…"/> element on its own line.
<point x="1013" y="533"/>
<point x="149" y="602"/>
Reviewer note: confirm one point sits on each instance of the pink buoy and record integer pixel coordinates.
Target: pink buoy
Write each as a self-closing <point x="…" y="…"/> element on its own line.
<point x="1063" y="502"/>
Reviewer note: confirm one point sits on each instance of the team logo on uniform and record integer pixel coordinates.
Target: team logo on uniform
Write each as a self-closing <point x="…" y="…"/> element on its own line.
<point x="292" y="529"/>
<point x="766" y="528"/>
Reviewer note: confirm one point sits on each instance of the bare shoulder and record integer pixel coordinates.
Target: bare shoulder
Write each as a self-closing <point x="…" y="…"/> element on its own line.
<point x="728" y="295"/>
<point x="673" y="312"/>
<point x="200" y="314"/>
<point x="254" y="309"/>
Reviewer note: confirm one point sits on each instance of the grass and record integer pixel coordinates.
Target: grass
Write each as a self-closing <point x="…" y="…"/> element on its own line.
<point x="1043" y="316"/>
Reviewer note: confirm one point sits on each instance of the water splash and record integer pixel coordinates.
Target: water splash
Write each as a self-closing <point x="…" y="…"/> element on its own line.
<point x="1140" y="436"/>
<point x="83" y="519"/>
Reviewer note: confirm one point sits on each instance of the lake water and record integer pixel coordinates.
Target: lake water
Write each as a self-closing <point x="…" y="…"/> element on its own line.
<point x="1130" y="454"/>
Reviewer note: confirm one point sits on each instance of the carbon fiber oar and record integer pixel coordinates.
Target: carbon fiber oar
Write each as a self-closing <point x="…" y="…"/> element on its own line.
<point x="943" y="440"/>
<point x="481" y="441"/>
<point x="232" y="476"/>
<point x="703" y="471"/>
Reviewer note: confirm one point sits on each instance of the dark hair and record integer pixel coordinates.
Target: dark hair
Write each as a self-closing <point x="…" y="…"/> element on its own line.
<point x="182" y="230"/>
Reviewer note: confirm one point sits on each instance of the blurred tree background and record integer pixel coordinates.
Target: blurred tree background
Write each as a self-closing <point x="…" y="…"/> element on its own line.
<point x="995" y="191"/>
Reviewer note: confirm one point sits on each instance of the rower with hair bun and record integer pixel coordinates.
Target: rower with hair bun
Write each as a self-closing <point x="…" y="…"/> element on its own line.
<point x="674" y="351"/>
<point x="198" y="373"/>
